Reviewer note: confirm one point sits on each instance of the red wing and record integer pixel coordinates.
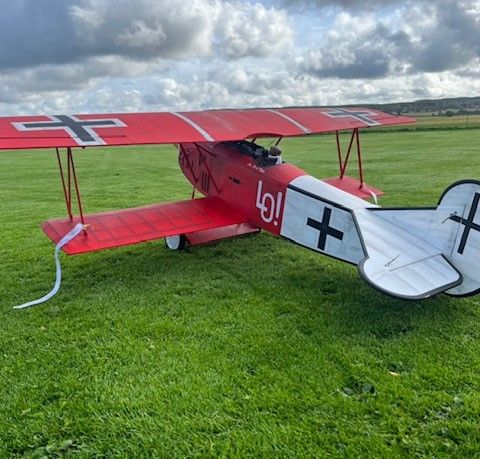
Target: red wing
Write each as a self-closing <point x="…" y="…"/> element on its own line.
<point x="131" y="226"/>
<point x="169" y="127"/>
<point x="354" y="186"/>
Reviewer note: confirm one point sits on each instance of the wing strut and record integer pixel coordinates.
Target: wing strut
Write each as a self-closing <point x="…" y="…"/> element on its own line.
<point x="354" y="186"/>
<point x="67" y="185"/>
<point x="343" y="164"/>
<point x="62" y="177"/>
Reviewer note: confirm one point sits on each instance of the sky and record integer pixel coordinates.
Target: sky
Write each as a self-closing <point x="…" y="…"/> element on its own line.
<point x="104" y="56"/>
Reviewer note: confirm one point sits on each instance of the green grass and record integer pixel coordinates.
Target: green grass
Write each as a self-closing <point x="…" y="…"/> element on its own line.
<point x="456" y="121"/>
<point x="250" y="347"/>
<point x="433" y="123"/>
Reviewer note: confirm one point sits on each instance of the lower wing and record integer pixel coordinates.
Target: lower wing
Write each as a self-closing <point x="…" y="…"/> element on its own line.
<point x="131" y="226"/>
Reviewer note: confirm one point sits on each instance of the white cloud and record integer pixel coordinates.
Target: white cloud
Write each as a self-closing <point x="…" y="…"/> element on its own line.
<point x="145" y="28"/>
<point x="254" y="30"/>
<point x="415" y="38"/>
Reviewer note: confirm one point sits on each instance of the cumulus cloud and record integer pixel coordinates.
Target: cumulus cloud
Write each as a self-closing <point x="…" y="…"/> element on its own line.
<point x="144" y="28"/>
<point x="428" y="37"/>
<point x="36" y="32"/>
<point x="70" y="45"/>
<point x="452" y="38"/>
<point x="348" y="4"/>
<point x="254" y="30"/>
<point x="356" y="49"/>
<point x="233" y="85"/>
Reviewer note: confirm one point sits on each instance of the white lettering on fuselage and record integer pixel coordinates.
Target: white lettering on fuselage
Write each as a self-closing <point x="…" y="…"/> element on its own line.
<point x="268" y="205"/>
<point x="255" y="167"/>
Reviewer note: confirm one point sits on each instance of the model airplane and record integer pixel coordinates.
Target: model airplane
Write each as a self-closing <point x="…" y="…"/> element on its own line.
<point x="407" y="253"/>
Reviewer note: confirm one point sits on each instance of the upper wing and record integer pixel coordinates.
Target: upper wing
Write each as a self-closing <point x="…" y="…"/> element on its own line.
<point x="173" y="127"/>
<point x="131" y="226"/>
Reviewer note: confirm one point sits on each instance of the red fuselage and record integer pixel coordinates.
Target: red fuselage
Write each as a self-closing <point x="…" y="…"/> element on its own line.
<point x="228" y="171"/>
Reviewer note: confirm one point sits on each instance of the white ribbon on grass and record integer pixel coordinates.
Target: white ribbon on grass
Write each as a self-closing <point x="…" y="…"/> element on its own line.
<point x="65" y="240"/>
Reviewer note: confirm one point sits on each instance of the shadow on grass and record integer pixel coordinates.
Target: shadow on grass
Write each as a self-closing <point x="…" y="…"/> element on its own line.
<point x="367" y="312"/>
<point x="310" y="289"/>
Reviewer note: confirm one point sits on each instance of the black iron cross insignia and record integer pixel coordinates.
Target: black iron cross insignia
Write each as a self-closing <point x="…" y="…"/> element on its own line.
<point x="81" y="131"/>
<point x="469" y="224"/>
<point x="360" y="115"/>
<point x="324" y="228"/>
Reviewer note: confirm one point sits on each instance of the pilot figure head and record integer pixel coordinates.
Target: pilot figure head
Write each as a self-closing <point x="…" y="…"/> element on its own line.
<point x="275" y="150"/>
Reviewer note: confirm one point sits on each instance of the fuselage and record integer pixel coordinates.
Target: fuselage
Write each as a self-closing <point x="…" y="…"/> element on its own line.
<point x="258" y="191"/>
<point x="274" y="197"/>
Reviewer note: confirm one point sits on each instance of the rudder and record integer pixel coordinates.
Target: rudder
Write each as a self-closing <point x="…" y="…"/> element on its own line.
<point x="465" y="251"/>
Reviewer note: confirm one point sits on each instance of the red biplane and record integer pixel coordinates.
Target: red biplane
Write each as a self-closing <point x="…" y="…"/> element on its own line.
<point x="407" y="253"/>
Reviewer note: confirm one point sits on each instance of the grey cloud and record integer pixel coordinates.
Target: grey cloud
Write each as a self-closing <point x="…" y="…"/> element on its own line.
<point x="34" y="32"/>
<point x="74" y="76"/>
<point x="472" y="71"/>
<point x="59" y="46"/>
<point x="54" y="53"/>
<point x="143" y="29"/>
<point x="364" y="5"/>
<point x="122" y="55"/>
<point x="453" y="40"/>
<point x="448" y="40"/>
<point x="366" y="54"/>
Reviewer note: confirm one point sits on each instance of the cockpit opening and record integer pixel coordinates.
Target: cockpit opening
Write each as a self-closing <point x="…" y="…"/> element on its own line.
<point x="259" y="154"/>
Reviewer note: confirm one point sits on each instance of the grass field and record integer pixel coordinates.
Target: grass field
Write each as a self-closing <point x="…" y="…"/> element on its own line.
<point x="250" y="347"/>
<point x="429" y="123"/>
<point x="457" y="121"/>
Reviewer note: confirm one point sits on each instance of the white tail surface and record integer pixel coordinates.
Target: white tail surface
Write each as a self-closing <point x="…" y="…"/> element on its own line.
<point x="408" y="253"/>
<point x="464" y="253"/>
<point x="399" y="261"/>
<point x="416" y="253"/>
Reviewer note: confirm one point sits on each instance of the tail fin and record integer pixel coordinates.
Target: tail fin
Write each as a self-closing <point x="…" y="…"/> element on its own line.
<point x="464" y="252"/>
<point x="416" y="253"/>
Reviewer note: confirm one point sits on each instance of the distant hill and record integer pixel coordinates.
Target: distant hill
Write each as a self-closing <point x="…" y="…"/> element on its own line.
<point x="448" y="107"/>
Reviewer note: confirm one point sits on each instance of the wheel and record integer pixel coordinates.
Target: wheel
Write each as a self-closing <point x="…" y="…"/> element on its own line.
<point x="175" y="242"/>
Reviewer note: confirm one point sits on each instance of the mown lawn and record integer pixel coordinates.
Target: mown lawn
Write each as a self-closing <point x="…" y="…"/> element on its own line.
<point x="433" y="123"/>
<point x="456" y="121"/>
<point x="250" y="347"/>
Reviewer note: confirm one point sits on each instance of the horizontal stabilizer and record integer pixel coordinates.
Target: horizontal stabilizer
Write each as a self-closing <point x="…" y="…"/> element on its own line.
<point x="420" y="279"/>
<point x="400" y="262"/>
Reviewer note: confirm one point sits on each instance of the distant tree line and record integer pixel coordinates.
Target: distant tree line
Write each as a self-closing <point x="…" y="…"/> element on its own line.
<point x="433" y="107"/>
<point x="439" y="107"/>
